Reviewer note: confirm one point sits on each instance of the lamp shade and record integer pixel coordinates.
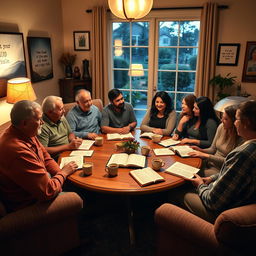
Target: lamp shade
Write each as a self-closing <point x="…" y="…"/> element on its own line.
<point x="118" y="47"/>
<point x="20" y="88"/>
<point x="229" y="101"/>
<point x="130" y="9"/>
<point x="136" y="70"/>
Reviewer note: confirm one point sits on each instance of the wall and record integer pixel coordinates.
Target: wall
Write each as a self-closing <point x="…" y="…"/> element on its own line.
<point x="41" y="18"/>
<point x="236" y="25"/>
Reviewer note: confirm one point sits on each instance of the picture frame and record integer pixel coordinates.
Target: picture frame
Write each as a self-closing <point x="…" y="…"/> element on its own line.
<point x="82" y="40"/>
<point x="228" y="54"/>
<point x="12" y="59"/>
<point x="40" y="58"/>
<point x="249" y="69"/>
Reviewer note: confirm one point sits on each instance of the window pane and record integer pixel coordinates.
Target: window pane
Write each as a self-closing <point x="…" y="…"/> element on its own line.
<point x="140" y="82"/>
<point x="127" y="96"/>
<point x="140" y="56"/>
<point x="121" y="62"/>
<point x="139" y="100"/>
<point x="179" y="98"/>
<point x="166" y="81"/>
<point x="121" y="79"/>
<point x="168" y="33"/>
<point x="121" y="30"/>
<point x="186" y="81"/>
<point x="140" y="33"/>
<point x="167" y="56"/>
<point x="139" y="115"/>
<point x="187" y="58"/>
<point x="189" y="33"/>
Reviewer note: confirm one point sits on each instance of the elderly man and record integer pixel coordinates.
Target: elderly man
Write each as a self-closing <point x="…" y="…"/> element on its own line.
<point x="25" y="165"/>
<point x="84" y="118"/>
<point x="118" y="116"/>
<point x="56" y="134"/>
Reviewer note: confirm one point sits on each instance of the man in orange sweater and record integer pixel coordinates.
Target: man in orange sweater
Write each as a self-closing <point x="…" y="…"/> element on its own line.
<point x="27" y="172"/>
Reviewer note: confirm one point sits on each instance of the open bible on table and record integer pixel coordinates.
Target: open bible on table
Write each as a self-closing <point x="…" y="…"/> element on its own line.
<point x="117" y="136"/>
<point x="78" y="159"/>
<point x="146" y="176"/>
<point x="182" y="170"/>
<point x="182" y="151"/>
<point x="169" y="142"/>
<point x="148" y="135"/>
<point x="126" y="160"/>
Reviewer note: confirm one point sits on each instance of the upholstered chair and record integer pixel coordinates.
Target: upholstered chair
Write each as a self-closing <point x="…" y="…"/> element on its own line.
<point x="179" y="232"/>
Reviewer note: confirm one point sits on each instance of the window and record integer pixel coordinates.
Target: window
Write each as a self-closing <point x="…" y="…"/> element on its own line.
<point x="167" y="51"/>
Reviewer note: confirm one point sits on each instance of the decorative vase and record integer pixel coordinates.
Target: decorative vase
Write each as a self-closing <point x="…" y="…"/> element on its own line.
<point x="86" y="74"/>
<point x="77" y="73"/>
<point x="68" y="71"/>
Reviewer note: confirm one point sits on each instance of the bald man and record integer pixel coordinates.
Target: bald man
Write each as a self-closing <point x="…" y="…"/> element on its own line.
<point x="84" y="118"/>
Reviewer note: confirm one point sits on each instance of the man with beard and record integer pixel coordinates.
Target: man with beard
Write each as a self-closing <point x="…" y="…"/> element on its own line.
<point x="25" y="165"/>
<point x="118" y="116"/>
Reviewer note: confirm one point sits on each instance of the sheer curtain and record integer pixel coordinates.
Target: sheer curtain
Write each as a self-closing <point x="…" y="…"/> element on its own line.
<point x="100" y="54"/>
<point x="207" y="52"/>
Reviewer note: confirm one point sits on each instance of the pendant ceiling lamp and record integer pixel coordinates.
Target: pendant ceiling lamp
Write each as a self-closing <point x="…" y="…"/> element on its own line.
<point x="130" y="9"/>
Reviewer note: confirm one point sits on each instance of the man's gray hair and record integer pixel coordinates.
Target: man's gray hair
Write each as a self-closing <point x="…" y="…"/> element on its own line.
<point x="49" y="103"/>
<point x="79" y="92"/>
<point x="23" y="110"/>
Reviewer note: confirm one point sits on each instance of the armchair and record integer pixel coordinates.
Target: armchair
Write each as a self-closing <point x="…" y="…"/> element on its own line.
<point x="179" y="232"/>
<point x="45" y="228"/>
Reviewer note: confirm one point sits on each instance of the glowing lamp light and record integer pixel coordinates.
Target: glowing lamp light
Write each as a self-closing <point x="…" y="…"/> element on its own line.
<point x="118" y="47"/>
<point x="136" y="70"/>
<point x="20" y="88"/>
<point x="130" y="9"/>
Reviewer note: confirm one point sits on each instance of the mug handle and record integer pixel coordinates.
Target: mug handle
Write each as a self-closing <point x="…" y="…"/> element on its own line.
<point x="163" y="163"/>
<point x="106" y="169"/>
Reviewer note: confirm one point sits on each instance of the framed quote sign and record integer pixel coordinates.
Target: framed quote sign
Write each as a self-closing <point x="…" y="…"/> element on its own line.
<point x="249" y="70"/>
<point x="228" y="54"/>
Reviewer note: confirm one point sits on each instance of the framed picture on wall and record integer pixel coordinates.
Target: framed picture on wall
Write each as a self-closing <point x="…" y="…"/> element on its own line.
<point x="82" y="40"/>
<point x="249" y="70"/>
<point x="12" y="59"/>
<point x="40" y="58"/>
<point x="228" y="54"/>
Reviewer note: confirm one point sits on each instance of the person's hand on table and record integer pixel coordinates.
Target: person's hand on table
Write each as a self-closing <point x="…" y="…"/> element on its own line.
<point x="196" y="148"/>
<point x="198" y="154"/>
<point x="92" y="136"/>
<point x="69" y="168"/>
<point x="75" y="143"/>
<point x="125" y="129"/>
<point x="197" y="181"/>
<point x="158" y="131"/>
<point x="175" y="137"/>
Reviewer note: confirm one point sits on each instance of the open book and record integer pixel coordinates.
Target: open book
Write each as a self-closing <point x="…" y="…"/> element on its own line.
<point x="169" y="142"/>
<point x="117" y="136"/>
<point x="81" y="153"/>
<point x="146" y="176"/>
<point x="78" y="159"/>
<point x="163" y="152"/>
<point x="182" y="170"/>
<point x="86" y="144"/>
<point x="125" y="160"/>
<point x="148" y="135"/>
<point x="182" y="150"/>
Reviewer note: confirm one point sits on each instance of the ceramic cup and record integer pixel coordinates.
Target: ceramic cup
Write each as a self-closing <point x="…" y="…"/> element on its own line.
<point x="157" y="164"/>
<point x="145" y="150"/>
<point x="98" y="141"/>
<point x="87" y="168"/>
<point x="112" y="170"/>
<point x="156" y="138"/>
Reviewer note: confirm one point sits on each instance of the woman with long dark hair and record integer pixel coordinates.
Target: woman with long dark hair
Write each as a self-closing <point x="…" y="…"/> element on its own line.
<point x="200" y="130"/>
<point x="161" y="117"/>
<point x="225" y="140"/>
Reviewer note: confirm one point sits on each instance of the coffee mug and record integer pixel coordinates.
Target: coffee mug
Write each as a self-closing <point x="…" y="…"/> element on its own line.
<point x="119" y="146"/>
<point x="157" y="164"/>
<point x="156" y="138"/>
<point x="87" y="168"/>
<point x="98" y="141"/>
<point x="112" y="169"/>
<point x="145" y="150"/>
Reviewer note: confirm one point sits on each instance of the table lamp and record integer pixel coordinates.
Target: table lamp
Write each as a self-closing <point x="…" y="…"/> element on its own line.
<point x="20" y="88"/>
<point x="136" y="70"/>
<point x="229" y="101"/>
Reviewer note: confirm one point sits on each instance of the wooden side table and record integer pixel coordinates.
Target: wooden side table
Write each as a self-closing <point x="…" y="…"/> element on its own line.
<point x="68" y="88"/>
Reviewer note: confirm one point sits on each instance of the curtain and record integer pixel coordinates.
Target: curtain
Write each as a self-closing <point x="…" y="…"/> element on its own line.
<point x="207" y="50"/>
<point x="100" y="55"/>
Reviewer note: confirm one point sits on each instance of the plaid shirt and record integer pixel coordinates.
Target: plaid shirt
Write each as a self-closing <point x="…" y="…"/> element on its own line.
<point x="236" y="182"/>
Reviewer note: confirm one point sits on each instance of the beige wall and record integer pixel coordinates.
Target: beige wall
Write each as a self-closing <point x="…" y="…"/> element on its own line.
<point x="236" y="25"/>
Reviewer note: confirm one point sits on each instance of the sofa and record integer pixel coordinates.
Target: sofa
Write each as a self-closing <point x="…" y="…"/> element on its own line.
<point x="179" y="232"/>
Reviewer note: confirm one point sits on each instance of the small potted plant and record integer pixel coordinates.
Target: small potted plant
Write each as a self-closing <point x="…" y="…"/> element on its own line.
<point x="130" y="146"/>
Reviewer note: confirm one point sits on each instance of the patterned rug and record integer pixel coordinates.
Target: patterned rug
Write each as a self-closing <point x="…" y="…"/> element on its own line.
<point x="103" y="225"/>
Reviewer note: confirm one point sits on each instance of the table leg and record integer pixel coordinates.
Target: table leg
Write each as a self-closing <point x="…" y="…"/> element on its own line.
<point x="130" y="220"/>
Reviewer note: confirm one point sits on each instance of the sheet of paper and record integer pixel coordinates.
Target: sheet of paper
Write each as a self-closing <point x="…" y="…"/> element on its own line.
<point x="163" y="152"/>
<point x="86" y="144"/>
<point x="81" y="153"/>
<point x="78" y="159"/>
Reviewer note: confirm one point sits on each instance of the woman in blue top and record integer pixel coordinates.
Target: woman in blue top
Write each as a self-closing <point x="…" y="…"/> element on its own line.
<point x="200" y="130"/>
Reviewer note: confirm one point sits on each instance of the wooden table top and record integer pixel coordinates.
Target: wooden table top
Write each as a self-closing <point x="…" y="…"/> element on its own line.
<point x="124" y="183"/>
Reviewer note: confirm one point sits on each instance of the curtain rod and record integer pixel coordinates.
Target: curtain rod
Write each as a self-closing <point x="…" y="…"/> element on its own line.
<point x="176" y="8"/>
